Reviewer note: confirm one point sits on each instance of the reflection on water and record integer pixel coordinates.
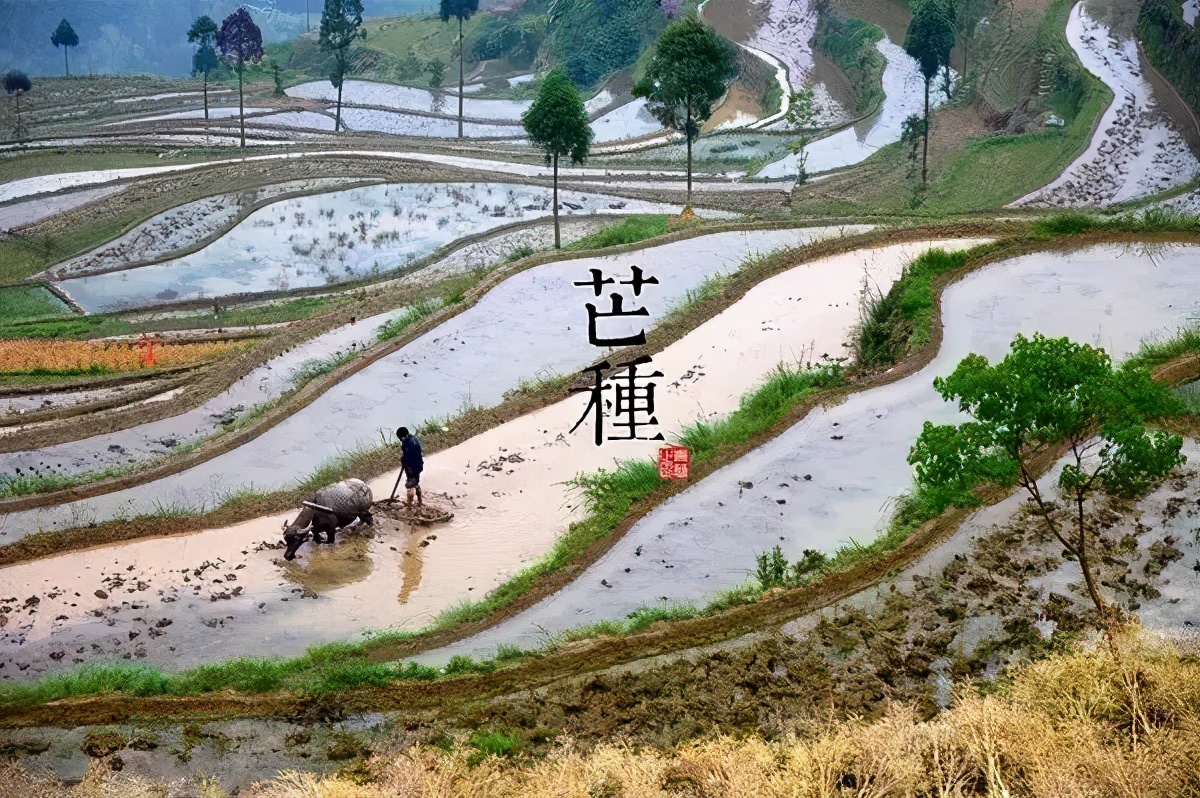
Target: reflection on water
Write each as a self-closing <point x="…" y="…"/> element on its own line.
<point x="329" y="567"/>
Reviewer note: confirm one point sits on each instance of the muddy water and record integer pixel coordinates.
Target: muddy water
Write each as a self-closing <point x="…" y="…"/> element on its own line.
<point x="504" y="486"/>
<point x="533" y="323"/>
<point x="326" y="238"/>
<point x="834" y="476"/>
<point x="23" y="213"/>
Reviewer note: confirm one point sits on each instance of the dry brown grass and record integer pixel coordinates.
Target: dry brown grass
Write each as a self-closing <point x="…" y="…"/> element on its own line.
<point x="1081" y="725"/>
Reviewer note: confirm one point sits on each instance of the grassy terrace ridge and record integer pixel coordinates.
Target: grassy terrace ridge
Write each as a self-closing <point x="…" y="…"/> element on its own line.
<point x="617" y="499"/>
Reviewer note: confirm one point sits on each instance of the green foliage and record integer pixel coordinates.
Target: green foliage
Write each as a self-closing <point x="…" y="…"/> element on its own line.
<point x="461" y="10"/>
<point x="557" y="122"/>
<point x="851" y="44"/>
<point x="516" y="39"/>
<point x="437" y="71"/>
<point x="774" y="570"/>
<point x="594" y="38"/>
<point x="205" y="61"/>
<point x="1154" y="353"/>
<point x="1048" y="393"/>
<point x="628" y="231"/>
<point x="341" y="26"/>
<point x="419" y="310"/>
<point x="687" y="74"/>
<point x="930" y="36"/>
<point x="203" y="31"/>
<point x="1172" y="46"/>
<point x="493" y="743"/>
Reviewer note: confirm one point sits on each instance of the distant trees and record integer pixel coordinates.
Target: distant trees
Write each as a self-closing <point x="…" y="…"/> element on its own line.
<point x="64" y="36"/>
<point x="17" y="83"/>
<point x="800" y="115"/>
<point x="929" y="40"/>
<point x="203" y="33"/>
<point x="341" y="26"/>
<point x="461" y="10"/>
<point x="557" y="123"/>
<point x="686" y="75"/>
<point x="240" y="41"/>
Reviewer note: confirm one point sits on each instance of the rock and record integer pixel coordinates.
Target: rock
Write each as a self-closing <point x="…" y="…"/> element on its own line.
<point x="100" y="594"/>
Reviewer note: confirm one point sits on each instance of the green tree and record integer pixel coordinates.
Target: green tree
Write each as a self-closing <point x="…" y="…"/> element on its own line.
<point x="800" y="115"/>
<point x="687" y="73"/>
<point x="437" y="72"/>
<point x="65" y="36"/>
<point x="239" y="40"/>
<point x="1047" y="394"/>
<point x="558" y="124"/>
<point x="461" y="10"/>
<point x="341" y="26"/>
<point x="17" y="83"/>
<point x="203" y="33"/>
<point x="929" y="40"/>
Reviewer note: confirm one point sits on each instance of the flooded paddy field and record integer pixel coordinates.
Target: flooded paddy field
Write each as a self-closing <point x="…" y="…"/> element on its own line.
<point x="506" y="487"/>
<point x="836" y="474"/>
<point x="523" y="322"/>
<point x="322" y="239"/>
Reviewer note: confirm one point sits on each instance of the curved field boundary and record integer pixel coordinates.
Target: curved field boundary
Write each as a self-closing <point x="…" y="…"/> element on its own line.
<point x="154" y="386"/>
<point x="769" y="612"/>
<point x="47" y="543"/>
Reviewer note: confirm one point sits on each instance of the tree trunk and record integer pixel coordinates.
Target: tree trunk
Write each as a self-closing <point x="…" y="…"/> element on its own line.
<point x="206" y="94"/>
<point x="947" y="80"/>
<point x="337" y="123"/>
<point x="1088" y="579"/>
<point x="241" y="102"/>
<point x="688" y="134"/>
<point x="557" y="240"/>
<point x="925" y="139"/>
<point x="20" y="131"/>
<point x="67" y="60"/>
<point x="307" y="18"/>
<point x="461" y="59"/>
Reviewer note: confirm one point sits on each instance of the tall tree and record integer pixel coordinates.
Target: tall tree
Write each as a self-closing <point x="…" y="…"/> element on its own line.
<point x="203" y="33"/>
<point x="17" y="83"/>
<point x="240" y="41"/>
<point x="1045" y="394"/>
<point x="341" y="26"/>
<point x="557" y="123"/>
<point x="929" y="40"/>
<point x="460" y="10"/>
<point x="687" y="74"/>
<point x="64" y="35"/>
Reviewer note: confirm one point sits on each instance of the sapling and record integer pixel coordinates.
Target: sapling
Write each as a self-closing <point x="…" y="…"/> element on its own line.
<point x="1047" y="395"/>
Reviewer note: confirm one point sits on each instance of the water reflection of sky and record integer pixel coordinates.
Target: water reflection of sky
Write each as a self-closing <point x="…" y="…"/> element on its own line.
<point x="322" y="239"/>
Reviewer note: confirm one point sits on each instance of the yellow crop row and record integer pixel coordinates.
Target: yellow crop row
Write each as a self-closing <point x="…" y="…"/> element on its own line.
<point x="24" y="355"/>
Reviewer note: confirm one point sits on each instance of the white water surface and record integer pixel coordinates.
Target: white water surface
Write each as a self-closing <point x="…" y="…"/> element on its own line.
<point x="323" y="239"/>
<point x="904" y="96"/>
<point x="533" y="323"/>
<point x="834" y="476"/>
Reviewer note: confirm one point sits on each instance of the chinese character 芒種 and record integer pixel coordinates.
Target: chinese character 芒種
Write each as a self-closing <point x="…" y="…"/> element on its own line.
<point x="617" y="301"/>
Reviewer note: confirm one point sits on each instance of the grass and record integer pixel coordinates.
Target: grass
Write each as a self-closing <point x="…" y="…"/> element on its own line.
<point x="1185" y="341"/>
<point x="23" y="302"/>
<point x="901" y="320"/>
<point x="628" y="231"/>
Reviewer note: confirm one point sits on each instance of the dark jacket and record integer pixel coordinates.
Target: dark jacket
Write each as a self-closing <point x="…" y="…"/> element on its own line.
<point x="411" y="457"/>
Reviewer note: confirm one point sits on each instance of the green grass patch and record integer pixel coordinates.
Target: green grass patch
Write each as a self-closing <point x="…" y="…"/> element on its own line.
<point x="1155" y="352"/>
<point x="758" y="411"/>
<point x="851" y="44"/>
<point x="24" y="302"/>
<point x="628" y="231"/>
<point x="901" y="321"/>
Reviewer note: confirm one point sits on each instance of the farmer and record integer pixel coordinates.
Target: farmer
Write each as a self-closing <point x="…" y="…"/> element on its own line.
<point x="412" y="462"/>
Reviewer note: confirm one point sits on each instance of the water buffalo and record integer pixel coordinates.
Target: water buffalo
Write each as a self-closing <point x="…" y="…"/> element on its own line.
<point x="326" y="511"/>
